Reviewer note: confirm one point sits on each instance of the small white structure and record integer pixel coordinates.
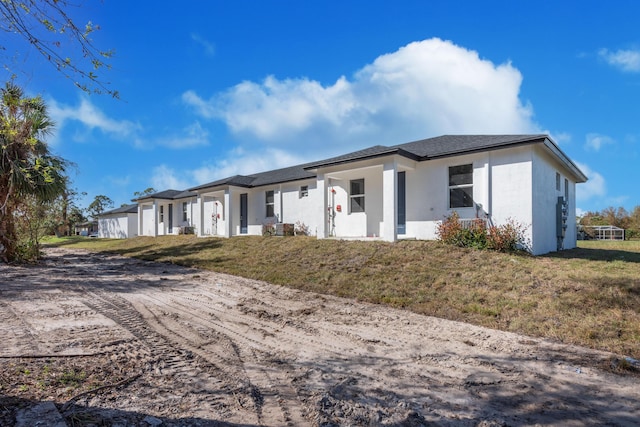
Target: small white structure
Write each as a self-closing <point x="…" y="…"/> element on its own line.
<point x="119" y="223"/>
<point x="605" y="232"/>
<point x="391" y="193"/>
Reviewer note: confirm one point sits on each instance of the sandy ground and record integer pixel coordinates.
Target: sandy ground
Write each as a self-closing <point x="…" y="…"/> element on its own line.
<point x="179" y="346"/>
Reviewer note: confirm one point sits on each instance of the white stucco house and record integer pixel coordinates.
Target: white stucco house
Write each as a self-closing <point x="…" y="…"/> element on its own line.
<point x="390" y="193"/>
<point x="166" y="212"/>
<point x="119" y="223"/>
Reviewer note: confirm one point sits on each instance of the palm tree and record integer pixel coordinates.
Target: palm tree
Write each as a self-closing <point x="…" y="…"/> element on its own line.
<point x="27" y="168"/>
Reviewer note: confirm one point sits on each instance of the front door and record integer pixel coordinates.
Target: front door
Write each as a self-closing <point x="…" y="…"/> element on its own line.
<point x="243" y="214"/>
<point x="402" y="203"/>
<point x="170" y="218"/>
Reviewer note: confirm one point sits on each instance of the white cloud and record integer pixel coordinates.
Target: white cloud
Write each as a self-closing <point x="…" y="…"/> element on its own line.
<point x="559" y="137"/>
<point x="595" y="187"/>
<point x="91" y="117"/>
<point x="596" y="141"/>
<point x="193" y="135"/>
<point x="209" y="48"/>
<point x="626" y="60"/>
<point x="165" y="178"/>
<point x="424" y="89"/>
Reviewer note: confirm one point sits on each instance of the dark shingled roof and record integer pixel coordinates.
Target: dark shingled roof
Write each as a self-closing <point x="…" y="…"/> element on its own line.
<point x="367" y="153"/>
<point x="424" y="149"/>
<point x="122" y="209"/>
<point x="449" y="145"/>
<point x="167" y="195"/>
<point x="278" y="176"/>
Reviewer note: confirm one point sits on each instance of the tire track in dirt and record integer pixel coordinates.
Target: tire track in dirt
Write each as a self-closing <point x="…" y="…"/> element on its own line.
<point x="20" y="332"/>
<point x="188" y="372"/>
<point x="237" y="349"/>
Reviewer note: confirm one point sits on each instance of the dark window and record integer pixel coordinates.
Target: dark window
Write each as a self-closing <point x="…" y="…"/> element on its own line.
<point x="461" y="186"/>
<point x="161" y="213"/>
<point x="269" y="203"/>
<point x="557" y="181"/>
<point x="356" y="195"/>
<point x="566" y="189"/>
<point x="184" y="211"/>
<point x="304" y="191"/>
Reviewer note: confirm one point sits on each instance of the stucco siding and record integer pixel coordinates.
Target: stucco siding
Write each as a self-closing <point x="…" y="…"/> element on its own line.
<point x="355" y="224"/>
<point x="510" y="188"/>
<point x="545" y="198"/>
<point x="119" y="226"/>
<point x="427" y="190"/>
<point x="148" y="220"/>
<point x="297" y="208"/>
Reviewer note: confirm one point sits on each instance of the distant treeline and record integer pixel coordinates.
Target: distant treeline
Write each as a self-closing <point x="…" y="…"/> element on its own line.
<point x="618" y="217"/>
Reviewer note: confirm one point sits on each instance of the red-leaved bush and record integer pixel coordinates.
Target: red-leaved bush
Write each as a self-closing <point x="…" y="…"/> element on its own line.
<point x="508" y="237"/>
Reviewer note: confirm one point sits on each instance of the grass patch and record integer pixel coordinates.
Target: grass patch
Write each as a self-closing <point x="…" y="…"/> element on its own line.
<point x="588" y="296"/>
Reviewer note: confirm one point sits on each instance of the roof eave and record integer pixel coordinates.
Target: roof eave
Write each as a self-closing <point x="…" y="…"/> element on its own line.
<point x="568" y="163"/>
<point x="390" y="152"/>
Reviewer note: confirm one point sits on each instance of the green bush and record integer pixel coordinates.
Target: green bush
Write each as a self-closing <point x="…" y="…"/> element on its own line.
<point x="508" y="237"/>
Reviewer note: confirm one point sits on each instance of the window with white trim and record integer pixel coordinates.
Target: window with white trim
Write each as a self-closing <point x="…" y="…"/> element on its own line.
<point x="184" y="212"/>
<point x="461" y="186"/>
<point x="161" y="213"/>
<point x="304" y="191"/>
<point x="557" y="181"/>
<point x="566" y="189"/>
<point x="356" y="195"/>
<point x="269" y="203"/>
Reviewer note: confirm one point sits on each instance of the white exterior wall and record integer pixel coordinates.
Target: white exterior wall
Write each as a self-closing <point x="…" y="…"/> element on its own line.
<point x="118" y="226"/>
<point x="214" y="215"/>
<point x="545" y="198"/>
<point x="355" y="224"/>
<point x="427" y="190"/>
<point x="296" y="209"/>
<point x="148" y="221"/>
<point x="511" y="188"/>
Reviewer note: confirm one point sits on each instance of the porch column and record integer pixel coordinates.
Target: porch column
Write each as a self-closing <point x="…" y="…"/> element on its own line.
<point x="390" y="201"/>
<point x="321" y="200"/>
<point x="227" y="213"/>
<point x="280" y="205"/>
<point x="155" y="218"/>
<point x="200" y="208"/>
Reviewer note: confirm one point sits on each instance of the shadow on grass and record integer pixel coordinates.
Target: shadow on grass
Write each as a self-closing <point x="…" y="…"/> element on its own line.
<point x="166" y="254"/>
<point x="91" y="271"/>
<point x="596" y="255"/>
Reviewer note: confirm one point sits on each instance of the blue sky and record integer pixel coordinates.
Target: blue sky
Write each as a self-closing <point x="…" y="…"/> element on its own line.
<point x="211" y="88"/>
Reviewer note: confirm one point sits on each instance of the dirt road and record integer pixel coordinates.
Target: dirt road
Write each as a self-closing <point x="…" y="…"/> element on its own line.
<point x="176" y="346"/>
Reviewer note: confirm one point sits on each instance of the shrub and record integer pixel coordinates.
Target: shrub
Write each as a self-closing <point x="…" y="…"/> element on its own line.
<point x="269" y="228"/>
<point x="301" y="229"/>
<point x="508" y="237"/>
<point x="450" y="229"/>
